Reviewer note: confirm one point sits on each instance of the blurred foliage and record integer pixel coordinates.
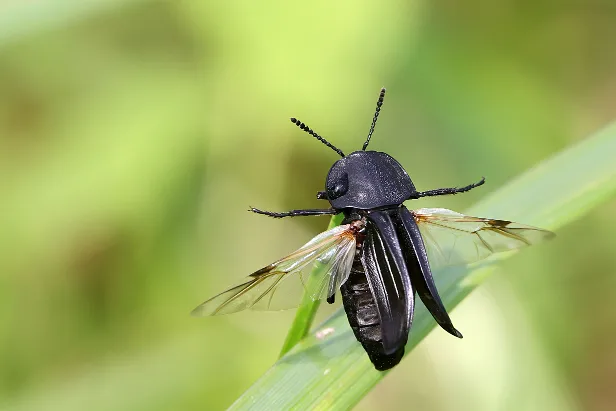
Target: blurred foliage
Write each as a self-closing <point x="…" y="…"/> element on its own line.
<point x="134" y="134"/>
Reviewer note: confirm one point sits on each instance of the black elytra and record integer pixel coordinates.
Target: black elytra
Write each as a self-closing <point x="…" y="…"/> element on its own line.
<point x="391" y="265"/>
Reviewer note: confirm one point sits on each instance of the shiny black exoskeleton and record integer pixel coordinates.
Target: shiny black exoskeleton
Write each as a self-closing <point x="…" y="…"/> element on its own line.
<point x="366" y="180"/>
<point x="391" y="264"/>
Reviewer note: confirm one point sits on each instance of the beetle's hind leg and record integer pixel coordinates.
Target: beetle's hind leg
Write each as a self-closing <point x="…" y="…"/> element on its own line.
<point x="445" y="191"/>
<point x="294" y="213"/>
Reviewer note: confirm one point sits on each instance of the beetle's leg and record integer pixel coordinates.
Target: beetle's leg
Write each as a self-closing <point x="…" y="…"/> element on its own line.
<point x="294" y="213"/>
<point x="322" y="195"/>
<point x="445" y="191"/>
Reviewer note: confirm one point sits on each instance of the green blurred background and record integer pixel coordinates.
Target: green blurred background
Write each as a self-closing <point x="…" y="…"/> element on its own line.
<point x="135" y="134"/>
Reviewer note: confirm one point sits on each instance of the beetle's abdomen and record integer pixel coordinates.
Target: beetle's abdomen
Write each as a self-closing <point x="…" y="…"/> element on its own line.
<point x="364" y="319"/>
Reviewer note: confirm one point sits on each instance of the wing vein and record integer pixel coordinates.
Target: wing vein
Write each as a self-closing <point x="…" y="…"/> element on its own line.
<point x="458" y="239"/>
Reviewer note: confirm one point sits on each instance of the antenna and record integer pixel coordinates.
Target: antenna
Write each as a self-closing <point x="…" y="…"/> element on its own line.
<point x="379" y="103"/>
<point x="315" y="135"/>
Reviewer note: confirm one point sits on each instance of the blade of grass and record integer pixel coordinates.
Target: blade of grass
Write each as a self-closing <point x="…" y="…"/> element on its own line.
<point x="307" y="308"/>
<point x="329" y="370"/>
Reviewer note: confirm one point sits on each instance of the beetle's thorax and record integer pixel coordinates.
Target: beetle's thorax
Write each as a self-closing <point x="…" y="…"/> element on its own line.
<point x="366" y="180"/>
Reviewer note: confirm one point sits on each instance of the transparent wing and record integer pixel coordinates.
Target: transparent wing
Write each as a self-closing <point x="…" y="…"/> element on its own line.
<point x="319" y="267"/>
<point x="452" y="238"/>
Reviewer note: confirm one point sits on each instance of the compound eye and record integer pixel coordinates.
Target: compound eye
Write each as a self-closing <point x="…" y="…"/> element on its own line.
<point x="339" y="188"/>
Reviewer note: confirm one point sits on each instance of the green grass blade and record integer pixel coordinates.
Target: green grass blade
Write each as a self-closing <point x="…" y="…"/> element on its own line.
<point x="329" y="370"/>
<point x="307" y="308"/>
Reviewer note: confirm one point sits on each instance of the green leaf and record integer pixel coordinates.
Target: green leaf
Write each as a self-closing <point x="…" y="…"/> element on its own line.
<point x="329" y="369"/>
<point x="307" y="308"/>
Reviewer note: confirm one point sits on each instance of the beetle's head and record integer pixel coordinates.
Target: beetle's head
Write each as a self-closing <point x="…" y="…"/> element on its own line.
<point x="364" y="179"/>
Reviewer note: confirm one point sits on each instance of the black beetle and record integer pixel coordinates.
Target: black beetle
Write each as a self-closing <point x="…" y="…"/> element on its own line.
<point x="380" y="256"/>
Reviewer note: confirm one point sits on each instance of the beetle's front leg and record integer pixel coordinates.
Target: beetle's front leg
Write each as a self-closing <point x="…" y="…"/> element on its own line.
<point x="295" y="213"/>
<point x="445" y="191"/>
